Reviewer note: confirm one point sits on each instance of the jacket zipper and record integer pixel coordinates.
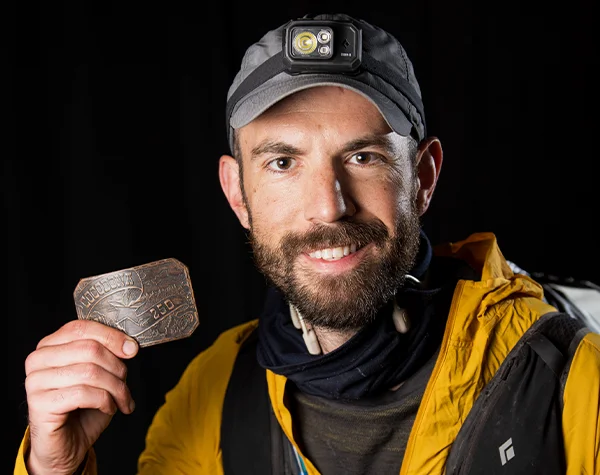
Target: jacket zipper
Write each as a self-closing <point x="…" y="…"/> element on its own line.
<point x="436" y="370"/>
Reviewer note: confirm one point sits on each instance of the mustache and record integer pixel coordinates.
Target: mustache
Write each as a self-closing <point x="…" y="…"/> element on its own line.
<point x="342" y="233"/>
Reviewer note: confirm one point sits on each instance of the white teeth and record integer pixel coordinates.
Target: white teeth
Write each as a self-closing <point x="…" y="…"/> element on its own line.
<point x="333" y="253"/>
<point x="338" y="252"/>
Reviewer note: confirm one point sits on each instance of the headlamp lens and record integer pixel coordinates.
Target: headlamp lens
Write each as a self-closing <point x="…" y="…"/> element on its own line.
<point x="305" y="42"/>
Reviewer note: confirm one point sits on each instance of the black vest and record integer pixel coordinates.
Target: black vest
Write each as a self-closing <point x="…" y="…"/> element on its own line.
<point x="514" y="426"/>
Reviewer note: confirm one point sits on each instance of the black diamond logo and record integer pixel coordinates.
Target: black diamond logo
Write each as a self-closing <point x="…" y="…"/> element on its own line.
<point x="346" y="43"/>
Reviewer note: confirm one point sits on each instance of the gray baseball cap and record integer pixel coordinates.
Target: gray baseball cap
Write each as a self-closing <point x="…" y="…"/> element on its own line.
<point x="385" y="76"/>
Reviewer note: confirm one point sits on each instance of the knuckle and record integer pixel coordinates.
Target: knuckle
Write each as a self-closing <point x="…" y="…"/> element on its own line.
<point x="90" y="371"/>
<point x="77" y="327"/>
<point x="78" y="392"/>
<point x="43" y="341"/>
<point x="93" y="349"/>
<point x="59" y="397"/>
<point x="63" y="372"/>
<point x="107" y="401"/>
<point x="122" y="371"/>
<point x="30" y="362"/>
<point x="105" y="397"/>
<point x="122" y="389"/>
<point x="30" y="384"/>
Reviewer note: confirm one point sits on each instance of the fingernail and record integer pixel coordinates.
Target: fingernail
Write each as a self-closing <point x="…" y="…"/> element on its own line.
<point x="131" y="405"/>
<point x="129" y="347"/>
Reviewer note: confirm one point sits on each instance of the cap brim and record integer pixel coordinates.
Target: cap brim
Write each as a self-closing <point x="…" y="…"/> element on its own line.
<point x="284" y="85"/>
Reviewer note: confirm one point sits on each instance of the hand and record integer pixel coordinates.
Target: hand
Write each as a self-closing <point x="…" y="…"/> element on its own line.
<point x="75" y="382"/>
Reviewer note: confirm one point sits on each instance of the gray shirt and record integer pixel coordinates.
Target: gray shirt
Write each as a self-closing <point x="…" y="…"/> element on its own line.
<point x="367" y="436"/>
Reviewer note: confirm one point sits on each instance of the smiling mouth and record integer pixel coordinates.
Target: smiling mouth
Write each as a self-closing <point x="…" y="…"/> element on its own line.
<point x="334" y="253"/>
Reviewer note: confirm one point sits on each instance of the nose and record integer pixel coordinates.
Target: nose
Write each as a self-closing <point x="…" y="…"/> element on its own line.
<point x="327" y="196"/>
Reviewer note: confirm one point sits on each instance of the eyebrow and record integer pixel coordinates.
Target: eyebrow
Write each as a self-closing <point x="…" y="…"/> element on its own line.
<point x="371" y="140"/>
<point x="279" y="148"/>
<point x="282" y="148"/>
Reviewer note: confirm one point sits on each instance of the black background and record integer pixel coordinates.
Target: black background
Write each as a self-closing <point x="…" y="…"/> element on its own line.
<point x="116" y="123"/>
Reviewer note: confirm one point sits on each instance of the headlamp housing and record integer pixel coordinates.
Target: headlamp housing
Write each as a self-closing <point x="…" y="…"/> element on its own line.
<point x="313" y="46"/>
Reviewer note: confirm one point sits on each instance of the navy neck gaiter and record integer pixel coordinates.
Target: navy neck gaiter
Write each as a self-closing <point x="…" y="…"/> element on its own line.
<point x="372" y="361"/>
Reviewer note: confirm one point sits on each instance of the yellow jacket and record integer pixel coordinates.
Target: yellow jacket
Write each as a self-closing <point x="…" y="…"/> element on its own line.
<point x="485" y="321"/>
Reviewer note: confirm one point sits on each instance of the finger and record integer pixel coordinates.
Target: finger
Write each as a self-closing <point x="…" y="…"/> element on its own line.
<point x="79" y="351"/>
<point x="59" y="402"/>
<point x="115" y="340"/>
<point x="82" y="374"/>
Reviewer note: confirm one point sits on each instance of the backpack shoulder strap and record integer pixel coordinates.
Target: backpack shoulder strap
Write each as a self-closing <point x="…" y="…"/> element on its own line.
<point x="524" y="397"/>
<point x="555" y="338"/>
<point x="246" y="421"/>
<point x="577" y="337"/>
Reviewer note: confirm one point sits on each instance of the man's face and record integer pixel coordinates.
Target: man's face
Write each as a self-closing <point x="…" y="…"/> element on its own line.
<point x="329" y="192"/>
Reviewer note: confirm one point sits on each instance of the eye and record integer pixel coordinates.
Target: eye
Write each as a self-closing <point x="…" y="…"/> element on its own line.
<point x="281" y="164"/>
<point x="365" y="158"/>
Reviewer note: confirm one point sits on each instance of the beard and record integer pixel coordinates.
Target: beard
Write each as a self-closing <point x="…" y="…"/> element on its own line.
<point x="350" y="300"/>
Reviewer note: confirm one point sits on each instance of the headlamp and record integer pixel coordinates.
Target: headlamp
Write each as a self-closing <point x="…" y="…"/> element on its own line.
<point x="311" y="46"/>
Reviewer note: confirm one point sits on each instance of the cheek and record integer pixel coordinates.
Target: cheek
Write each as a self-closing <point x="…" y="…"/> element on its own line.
<point x="401" y="189"/>
<point x="273" y="210"/>
<point x="389" y="201"/>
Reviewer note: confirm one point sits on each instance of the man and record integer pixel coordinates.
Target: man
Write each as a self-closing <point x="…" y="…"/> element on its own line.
<point x="376" y="348"/>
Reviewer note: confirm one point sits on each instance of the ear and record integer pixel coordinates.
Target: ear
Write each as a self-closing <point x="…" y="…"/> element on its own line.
<point x="229" y="176"/>
<point x="429" y="164"/>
